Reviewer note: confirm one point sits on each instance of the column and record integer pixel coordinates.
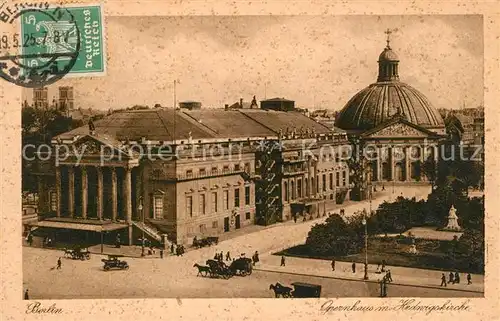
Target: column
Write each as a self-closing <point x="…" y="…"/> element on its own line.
<point x="128" y="194"/>
<point x="114" y="197"/>
<point x="99" y="193"/>
<point x="391" y="162"/>
<point x="85" y="186"/>
<point x="58" y="191"/>
<point x="379" y="163"/>
<point x="128" y="201"/>
<point x="71" y="191"/>
<point x="407" y="164"/>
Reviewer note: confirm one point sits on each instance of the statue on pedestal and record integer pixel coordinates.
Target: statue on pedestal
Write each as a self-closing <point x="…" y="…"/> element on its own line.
<point x="452" y="221"/>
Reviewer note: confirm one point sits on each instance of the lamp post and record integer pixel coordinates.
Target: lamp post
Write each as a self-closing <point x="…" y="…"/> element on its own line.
<point x="142" y="216"/>
<point x="366" y="244"/>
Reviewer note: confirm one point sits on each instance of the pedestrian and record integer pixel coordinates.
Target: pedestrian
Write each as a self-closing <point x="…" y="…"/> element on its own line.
<point x="451" y="278"/>
<point x="443" y="280"/>
<point x="221" y="256"/>
<point x="161" y="253"/>
<point x="256" y="257"/>
<point x="383" y="266"/>
<point x="282" y="260"/>
<point x="378" y="271"/>
<point x="469" y="279"/>
<point x="172" y="248"/>
<point x="228" y="256"/>
<point x="59" y="263"/>
<point x="353" y="267"/>
<point x="333" y="264"/>
<point x="389" y="276"/>
<point x="383" y="187"/>
<point x="26" y="295"/>
<point x="49" y="242"/>
<point x="30" y="239"/>
<point x="383" y="287"/>
<point x="457" y="278"/>
<point x="295" y="218"/>
<point x="216" y="256"/>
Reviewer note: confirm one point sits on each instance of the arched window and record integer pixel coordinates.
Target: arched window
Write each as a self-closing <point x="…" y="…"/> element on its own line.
<point x="285" y="188"/>
<point x="293" y="190"/>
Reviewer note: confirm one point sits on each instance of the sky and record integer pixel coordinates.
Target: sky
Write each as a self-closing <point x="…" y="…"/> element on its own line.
<point x="318" y="61"/>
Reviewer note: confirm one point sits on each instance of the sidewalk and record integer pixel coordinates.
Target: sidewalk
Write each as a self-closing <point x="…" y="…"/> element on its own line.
<point x="400" y="275"/>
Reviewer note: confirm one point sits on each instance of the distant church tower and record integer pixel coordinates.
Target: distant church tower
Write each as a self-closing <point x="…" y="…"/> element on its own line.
<point x="66" y="98"/>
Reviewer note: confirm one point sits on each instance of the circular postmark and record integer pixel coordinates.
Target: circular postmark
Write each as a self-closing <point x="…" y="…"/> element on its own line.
<point x="49" y="45"/>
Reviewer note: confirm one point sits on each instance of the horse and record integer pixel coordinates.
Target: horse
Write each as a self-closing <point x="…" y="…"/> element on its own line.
<point x="202" y="269"/>
<point x="68" y="252"/>
<point x="279" y="289"/>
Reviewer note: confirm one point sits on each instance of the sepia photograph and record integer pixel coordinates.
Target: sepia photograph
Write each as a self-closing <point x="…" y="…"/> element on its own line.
<point x="249" y="156"/>
<point x="257" y="157"/>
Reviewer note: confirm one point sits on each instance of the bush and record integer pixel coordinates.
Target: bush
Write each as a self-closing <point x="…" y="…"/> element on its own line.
<point x="333" y="238"/>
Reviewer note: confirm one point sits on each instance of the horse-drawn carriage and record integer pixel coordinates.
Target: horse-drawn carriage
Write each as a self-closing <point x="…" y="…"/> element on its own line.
<point x="302" y="290"/>
<point x="214" y="268"/>
<point x="207" y="241"/>
<point x="112" y="262"/>
<point x="77" y="253"/>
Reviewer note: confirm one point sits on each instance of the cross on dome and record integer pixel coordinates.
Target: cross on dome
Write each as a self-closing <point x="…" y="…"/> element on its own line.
<point x="388" y="33"/>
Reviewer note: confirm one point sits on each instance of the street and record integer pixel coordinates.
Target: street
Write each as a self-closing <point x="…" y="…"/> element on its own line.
<point x="176" y="277"/>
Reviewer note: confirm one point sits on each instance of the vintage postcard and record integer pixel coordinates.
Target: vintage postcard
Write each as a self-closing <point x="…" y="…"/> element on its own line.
<point x="291" y="160"/>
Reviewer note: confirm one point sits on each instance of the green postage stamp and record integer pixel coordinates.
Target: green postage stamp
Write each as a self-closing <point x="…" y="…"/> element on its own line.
<point x="80" y="29"/>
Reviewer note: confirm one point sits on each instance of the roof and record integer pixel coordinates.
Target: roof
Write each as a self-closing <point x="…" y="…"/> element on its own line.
<point x="280" y="120"/>
<point x="388" y="55"/>
<point x="278" y="99"/>
<point x="380" y="101"/>
<point x="158" y="124"/>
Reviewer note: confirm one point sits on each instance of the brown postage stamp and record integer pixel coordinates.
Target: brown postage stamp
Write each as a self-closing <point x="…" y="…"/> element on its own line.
<point x="249" y="160"/>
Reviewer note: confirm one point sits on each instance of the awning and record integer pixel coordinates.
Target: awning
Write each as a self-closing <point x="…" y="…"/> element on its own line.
<point x="79" y="226"/>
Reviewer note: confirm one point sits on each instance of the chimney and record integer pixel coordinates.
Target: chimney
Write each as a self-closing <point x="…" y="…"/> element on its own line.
<point x="241" y="102"/>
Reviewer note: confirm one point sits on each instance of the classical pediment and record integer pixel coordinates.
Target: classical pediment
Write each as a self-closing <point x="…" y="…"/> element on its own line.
<point x="398" y="130"/>
<point x="89" y="146"/>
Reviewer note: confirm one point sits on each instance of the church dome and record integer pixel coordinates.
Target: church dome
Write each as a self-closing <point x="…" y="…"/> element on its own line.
<point x="381" y="101"/>
<point x="388" y="55"/>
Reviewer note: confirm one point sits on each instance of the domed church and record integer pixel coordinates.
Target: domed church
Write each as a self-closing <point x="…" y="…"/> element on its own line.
<point x="398" y="125"/>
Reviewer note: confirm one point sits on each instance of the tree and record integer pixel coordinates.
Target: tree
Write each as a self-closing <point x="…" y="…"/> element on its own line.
<point x="333" y="238"/>
<point x="470" y="248"/>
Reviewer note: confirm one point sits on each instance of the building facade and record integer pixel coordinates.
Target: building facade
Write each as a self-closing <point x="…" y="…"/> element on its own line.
<point x="394" y="123"/>
<point x="187" y="173"/>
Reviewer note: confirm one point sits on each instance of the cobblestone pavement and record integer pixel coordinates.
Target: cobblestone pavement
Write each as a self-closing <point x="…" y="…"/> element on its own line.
<point x="176" y="277"/>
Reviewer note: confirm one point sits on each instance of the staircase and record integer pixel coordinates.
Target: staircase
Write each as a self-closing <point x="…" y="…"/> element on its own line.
<point x="149" y="230"/>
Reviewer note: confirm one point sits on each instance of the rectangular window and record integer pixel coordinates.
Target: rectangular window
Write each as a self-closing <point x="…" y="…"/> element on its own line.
<point x="203" y="228"/>
<point x="317" y="184"/>
<point x="214" y="202"/>
<point x="299" y="187"/>
<point x="247" y="195"/>
<point x="203" y="172"/>
<point x="331" y="181"/>
<point x="324" y="183"/>
<point x="158" y="207"/>
<point x="237" y="167"/>
<point x="53" y="201"/>
<point x="247" y="216"/>
<point x="214" y="170"/>
<point x="215" y="224"/>
<point x="226" y="199"/>
<point x="189" y="205"/>
<point x="344" y="178"/>
<point x="202" y="204"/>
<point x="225" y="169"/>
<point x="189" y="173"/>
<point x="337" y="179"/>
<point x="236" y="197"/>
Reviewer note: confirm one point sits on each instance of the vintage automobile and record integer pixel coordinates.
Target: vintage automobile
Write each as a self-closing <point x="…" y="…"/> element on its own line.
<point x="77" y="253"/>
<point x="114" y="263"/>
<point x="207" y="241"/>
<point x="306" y="290"/>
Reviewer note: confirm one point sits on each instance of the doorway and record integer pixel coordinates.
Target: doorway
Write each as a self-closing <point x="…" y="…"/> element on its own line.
<point x="237" y="224"/>
<point x="226" y="224"/>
